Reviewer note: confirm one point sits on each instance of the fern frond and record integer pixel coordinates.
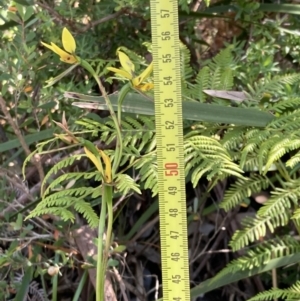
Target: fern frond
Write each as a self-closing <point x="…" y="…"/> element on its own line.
<point x="59" y="166"/>
<point x="226" y="79"/>
<point x="281" y="106"/>
<point x="289" y="294"/>
<point x="202" y="83"/>
<point x="52" y="200"/>
<point x="218" y="74"/>
<point x="130" y="153"/>
<point x="251" y="163"/>
<point x="59" y="205"/>
<point x="79" y="192"/>
<point x="224" y="59"/>
<point x="205" y="155"/>
<point x="148" y="122"/>
<point x="222" y="70"/>
<point x="215" y="82"/>
<point x="261" y="255"/>
<point x="286" y="122"/>
<point x="63" y="213"/>
<point x="137" y="135"/>
<point x="254" y="139"/>
<point x="75" y="176"/>
<point x="87" y="211"/>
<point x="125" y="183"/>
<point x="283" y="146"/>
<point x="92" y="126"/>
<point x="292" y="162"/>
<point x="146" y="141"/>
<point x="264" y="151"/>
<point x="254" y="229"/>
<point x="147" y="166"/>
<point x="242" y="189"/>
<point x="36" y="292"/>
<point x="185" y="59"/>
<point x="38" y="150"/>
<point x="129" y="123"/>
<point x="273" y="85"/>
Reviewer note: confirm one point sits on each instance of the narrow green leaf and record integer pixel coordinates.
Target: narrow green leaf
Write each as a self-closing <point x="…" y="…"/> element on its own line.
<point x="19" y="222"/>
<point x="136" y="104"/>
<point x="293" y="9"/>
<point x="29" y="139"/>
<point x="23" y="290"/>
<point x="211" y="284"/>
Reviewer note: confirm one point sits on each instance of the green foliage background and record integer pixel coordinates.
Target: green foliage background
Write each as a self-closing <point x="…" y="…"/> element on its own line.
<point x="261" y="59"/>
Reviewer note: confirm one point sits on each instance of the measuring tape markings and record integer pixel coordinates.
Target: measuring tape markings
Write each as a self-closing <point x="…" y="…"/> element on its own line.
<point x="170" y="160"/>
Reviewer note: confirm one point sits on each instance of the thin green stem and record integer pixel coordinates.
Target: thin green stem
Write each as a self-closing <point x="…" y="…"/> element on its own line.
<point x="109" y="198"/>
<point x="100" y="268"/>
<point x="119" y="143"/>
<point x="80" y="286"/>
<point x="283" y="171"/>
<point x="107" y="194"/>
<point x="119" y="146"/>
<point x="123" y="92"/>
<point x="103" y="256"/>
<point x="55" y="279"/>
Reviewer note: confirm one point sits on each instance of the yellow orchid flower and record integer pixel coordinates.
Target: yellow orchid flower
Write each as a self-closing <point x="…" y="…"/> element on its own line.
<point x="107" y="162"/>
<point x="107" y="173"/>
<point x="69" y="44"/>
<point x="128" y="73"/>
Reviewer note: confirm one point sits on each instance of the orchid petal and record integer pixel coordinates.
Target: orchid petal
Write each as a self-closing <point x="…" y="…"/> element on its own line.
<point x="64" y="56"/>
<point x="70" y="59"/>
<point x="146" y="73"/>
<point x="68" y="41"/>
<point x="95" y="160"/>
<point x="145" y="87"/>
<point x="120" y="72"/>
<point x="107" y="162"/>
<point x="53" y="47"/>
<point x="126" y="63"/>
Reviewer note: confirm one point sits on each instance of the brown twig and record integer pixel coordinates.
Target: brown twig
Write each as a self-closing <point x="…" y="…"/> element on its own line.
<point x="76" y="26"/>
<point x="23" y="199"/>
<point x="196" y="5"/>
<point x="121" y="283"/>
<point x="35" y="159"/>
<point x="52" y="12"/>
<point x="102" y="20"/>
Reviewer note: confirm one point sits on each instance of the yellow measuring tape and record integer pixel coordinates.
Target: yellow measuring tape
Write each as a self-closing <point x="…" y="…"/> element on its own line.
<point x="170" y="160"/>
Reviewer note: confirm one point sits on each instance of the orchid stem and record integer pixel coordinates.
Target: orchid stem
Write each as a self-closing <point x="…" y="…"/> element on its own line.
<point x="107" y="194"/>
<point x="108" y="197"/>
<point x="101" y="260"/>
<point x="119" y="146"/>
<point x="123" y="92"/>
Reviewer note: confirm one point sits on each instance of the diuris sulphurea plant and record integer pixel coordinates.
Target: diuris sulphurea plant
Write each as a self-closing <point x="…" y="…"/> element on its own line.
<point x="106" y="163"/>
